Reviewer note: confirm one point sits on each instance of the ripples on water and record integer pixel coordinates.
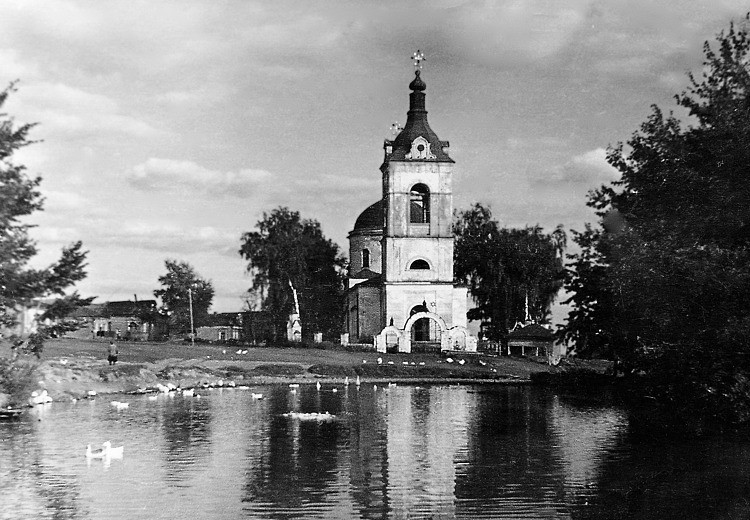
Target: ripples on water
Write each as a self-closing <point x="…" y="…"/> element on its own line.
<point x="391" y="453"/>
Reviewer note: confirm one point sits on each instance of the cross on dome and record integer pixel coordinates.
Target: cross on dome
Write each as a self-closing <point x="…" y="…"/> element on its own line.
<point x="396" y="128"/>
<point x="417" y="59"/>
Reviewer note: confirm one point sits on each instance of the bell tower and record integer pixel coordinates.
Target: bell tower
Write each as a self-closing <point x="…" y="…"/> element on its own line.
<point x="417" y="243"/>
<point x="401" y="293"/>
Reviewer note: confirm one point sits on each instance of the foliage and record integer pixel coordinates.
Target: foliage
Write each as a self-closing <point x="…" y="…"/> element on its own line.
<point x="662" y="286"/>
<point x="17" y="379"/>
<point x="179" y="285"/>
<point x="503" y="267"/>
<point x="287" y="254"/>
<point x="21" y="287"/>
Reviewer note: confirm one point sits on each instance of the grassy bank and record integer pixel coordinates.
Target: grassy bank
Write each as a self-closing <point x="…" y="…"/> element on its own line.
<point x="71" y="368"/>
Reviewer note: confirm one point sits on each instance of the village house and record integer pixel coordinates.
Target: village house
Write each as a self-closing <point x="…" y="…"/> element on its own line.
<point x="221" y="327"/>
<point x="135" y="320"/>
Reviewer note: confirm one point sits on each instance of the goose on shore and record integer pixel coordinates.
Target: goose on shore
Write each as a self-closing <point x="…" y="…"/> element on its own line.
<point x="39" y="398"/>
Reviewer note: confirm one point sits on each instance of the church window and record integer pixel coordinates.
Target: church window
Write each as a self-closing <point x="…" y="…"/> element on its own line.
<point x="365" y="258"/>
<point x="419" y="264"/>
<point x="419" y="204"/>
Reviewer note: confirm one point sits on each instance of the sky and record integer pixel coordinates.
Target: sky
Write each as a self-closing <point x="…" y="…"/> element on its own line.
<point x="166" y="128"/>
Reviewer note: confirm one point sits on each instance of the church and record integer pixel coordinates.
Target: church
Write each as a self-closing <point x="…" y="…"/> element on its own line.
<point x="400" y="293"/>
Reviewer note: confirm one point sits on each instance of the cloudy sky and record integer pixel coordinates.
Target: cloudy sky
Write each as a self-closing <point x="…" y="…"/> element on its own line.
<point x="168" y="127"/>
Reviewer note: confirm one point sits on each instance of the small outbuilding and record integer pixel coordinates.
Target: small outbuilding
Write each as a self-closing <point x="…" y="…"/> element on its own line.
<point x="532" y="339"/>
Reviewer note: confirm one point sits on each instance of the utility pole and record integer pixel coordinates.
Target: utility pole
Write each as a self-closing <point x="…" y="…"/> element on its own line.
<point x="192" y="326"/>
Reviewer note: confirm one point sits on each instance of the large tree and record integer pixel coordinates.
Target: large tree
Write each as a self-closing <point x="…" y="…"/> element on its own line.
<point x="181" y="286"/>
<point x="22" y="286"/>
<point x="287" y="255"/>
<point x="507" y="270"/>
<point x="671" y="258"/>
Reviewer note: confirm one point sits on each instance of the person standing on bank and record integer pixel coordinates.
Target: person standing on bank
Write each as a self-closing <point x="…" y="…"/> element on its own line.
<point x="112" y="353"/>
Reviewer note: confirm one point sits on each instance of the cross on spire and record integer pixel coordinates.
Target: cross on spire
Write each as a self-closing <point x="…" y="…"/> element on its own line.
<point x="417" y="59"/>
<point x="396" y="128"/>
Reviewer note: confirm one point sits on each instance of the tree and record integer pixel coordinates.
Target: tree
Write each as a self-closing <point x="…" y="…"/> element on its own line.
<point x="664" y="281"/>
<point x="179" y="286"/>
<point x="21" y="285"/>
<point x="289" y="254"/>
<point x="507" y="269"/>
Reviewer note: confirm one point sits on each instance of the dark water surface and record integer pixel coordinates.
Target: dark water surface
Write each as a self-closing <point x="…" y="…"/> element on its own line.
<point x="390" y="453"/>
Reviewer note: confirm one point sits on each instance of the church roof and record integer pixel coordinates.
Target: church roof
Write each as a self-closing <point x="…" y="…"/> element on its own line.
<point x="365" y="273"/>
<point x="372" y="217"/>
<point x="417" y="126"/>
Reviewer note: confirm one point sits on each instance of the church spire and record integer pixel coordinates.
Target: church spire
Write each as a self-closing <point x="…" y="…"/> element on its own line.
<point x="417" y="141"/>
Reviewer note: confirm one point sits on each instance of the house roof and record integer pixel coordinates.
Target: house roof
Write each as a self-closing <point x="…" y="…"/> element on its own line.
<point x="128" y="308"/>
<point x="95" y="310"/>
<point x="225" y="319"/>
<point x="533" y="331"/>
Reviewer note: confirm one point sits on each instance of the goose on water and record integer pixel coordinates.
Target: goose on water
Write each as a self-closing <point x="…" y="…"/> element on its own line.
<point x="107" y="451"/>
<point x="256" y="396"/>
<point x="95" y="454"/>
<point x="115" y="453"/>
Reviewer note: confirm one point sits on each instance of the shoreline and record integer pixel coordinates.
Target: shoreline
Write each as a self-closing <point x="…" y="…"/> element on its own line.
<point x="72" y="369"/>
<point x="75" y="379"/>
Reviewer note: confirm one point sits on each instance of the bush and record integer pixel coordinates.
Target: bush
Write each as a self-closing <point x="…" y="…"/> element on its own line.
<point x="278" y="370"/>
<point x="332" y="370"/>
<point x="17" y="379"/>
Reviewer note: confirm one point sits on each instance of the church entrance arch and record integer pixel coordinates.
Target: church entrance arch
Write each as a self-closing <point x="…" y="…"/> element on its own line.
<point x="424" y="331"/>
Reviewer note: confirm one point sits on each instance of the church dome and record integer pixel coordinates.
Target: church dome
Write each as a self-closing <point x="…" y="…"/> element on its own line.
<point x="370" y="218"/>
<point x="417" y="141"/>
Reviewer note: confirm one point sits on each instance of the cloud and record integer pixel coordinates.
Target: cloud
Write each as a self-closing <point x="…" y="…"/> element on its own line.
<point x="586" y="169"/>
<point x="74" y="112"/>
<point x="168" y="175"/>
<point x="501" y="31"/>
<point x="14" y="68"/>
<point x="66" y="201"/>
<point x="168" y="238"/>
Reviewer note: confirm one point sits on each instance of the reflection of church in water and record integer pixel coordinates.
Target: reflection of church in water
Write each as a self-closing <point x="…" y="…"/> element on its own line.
<point x="401" y="290"/>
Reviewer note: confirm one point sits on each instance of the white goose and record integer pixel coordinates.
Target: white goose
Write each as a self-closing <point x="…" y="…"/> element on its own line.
<point x="96" y="454"/>
<point x="115" y="453"/>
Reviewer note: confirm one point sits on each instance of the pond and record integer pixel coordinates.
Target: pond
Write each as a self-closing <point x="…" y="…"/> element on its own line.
<point x="387" y="452"/>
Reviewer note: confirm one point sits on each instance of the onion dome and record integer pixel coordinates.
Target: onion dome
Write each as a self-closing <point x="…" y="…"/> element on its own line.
<point x="417" y="141"/>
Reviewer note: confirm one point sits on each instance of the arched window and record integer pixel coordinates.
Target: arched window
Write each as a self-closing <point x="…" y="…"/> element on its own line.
<point x="419" y="204"/>
<point x="365" y="258"/>
<point x="419" y="264"/>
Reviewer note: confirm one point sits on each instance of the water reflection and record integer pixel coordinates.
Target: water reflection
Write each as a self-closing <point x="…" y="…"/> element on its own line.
<point x="393" y="452"/>
<point x="186" y="427"/>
